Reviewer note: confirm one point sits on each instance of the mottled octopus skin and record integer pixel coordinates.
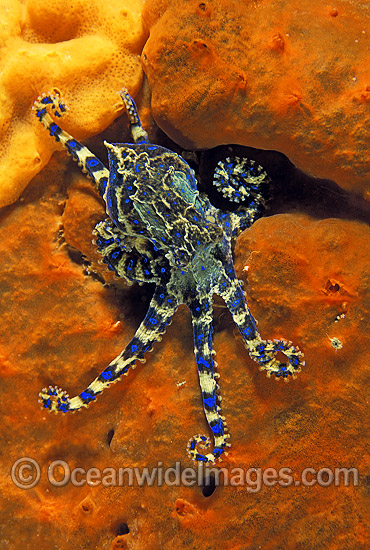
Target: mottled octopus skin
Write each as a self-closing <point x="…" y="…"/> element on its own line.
<point x="161" y="230"/>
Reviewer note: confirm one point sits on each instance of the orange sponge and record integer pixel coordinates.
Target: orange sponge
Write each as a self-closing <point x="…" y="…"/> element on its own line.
<point x="293" y="76"/>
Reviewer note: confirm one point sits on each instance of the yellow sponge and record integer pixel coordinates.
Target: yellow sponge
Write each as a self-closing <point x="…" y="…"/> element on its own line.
<point x="89" y="50"/>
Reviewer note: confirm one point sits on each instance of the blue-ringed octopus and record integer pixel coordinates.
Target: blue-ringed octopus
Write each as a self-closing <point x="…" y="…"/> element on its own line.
<point x="161" y="230"/>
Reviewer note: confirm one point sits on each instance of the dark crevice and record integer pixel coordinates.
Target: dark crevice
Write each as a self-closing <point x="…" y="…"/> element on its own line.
<point x="208" y="484"/>
<point x="122" y="529"/>
<point x="134" y="301"/>
<point x="110" y="435"/>
<point x="75" y="255"/>
<point x="290" y="190"/>
<point x="94" y="274"/>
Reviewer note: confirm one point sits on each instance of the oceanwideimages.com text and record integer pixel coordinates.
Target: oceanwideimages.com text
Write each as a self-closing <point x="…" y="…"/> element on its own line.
<point x="26" y="473"/>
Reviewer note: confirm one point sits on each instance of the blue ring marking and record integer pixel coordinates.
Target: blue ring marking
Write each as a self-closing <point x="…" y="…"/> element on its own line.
<point x="153" y="321"/>
<point x="200" y="458"/>
<point x="247" y="331"/>
<point x="217" y="451"/>
<point x="216" y="429"/>
<point x="103" y="182"/>
<point x="133" y="348"/>
<point x="92" y="162"/>
<point x="235" y="303"/>
<point x="86" y="395"/>
<point x="203" y="362"/>
<point x="209" y="401"/>
<point x="106" y="374"/>
<point x="280" y="346"/>
<point x="163" y="270"/>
